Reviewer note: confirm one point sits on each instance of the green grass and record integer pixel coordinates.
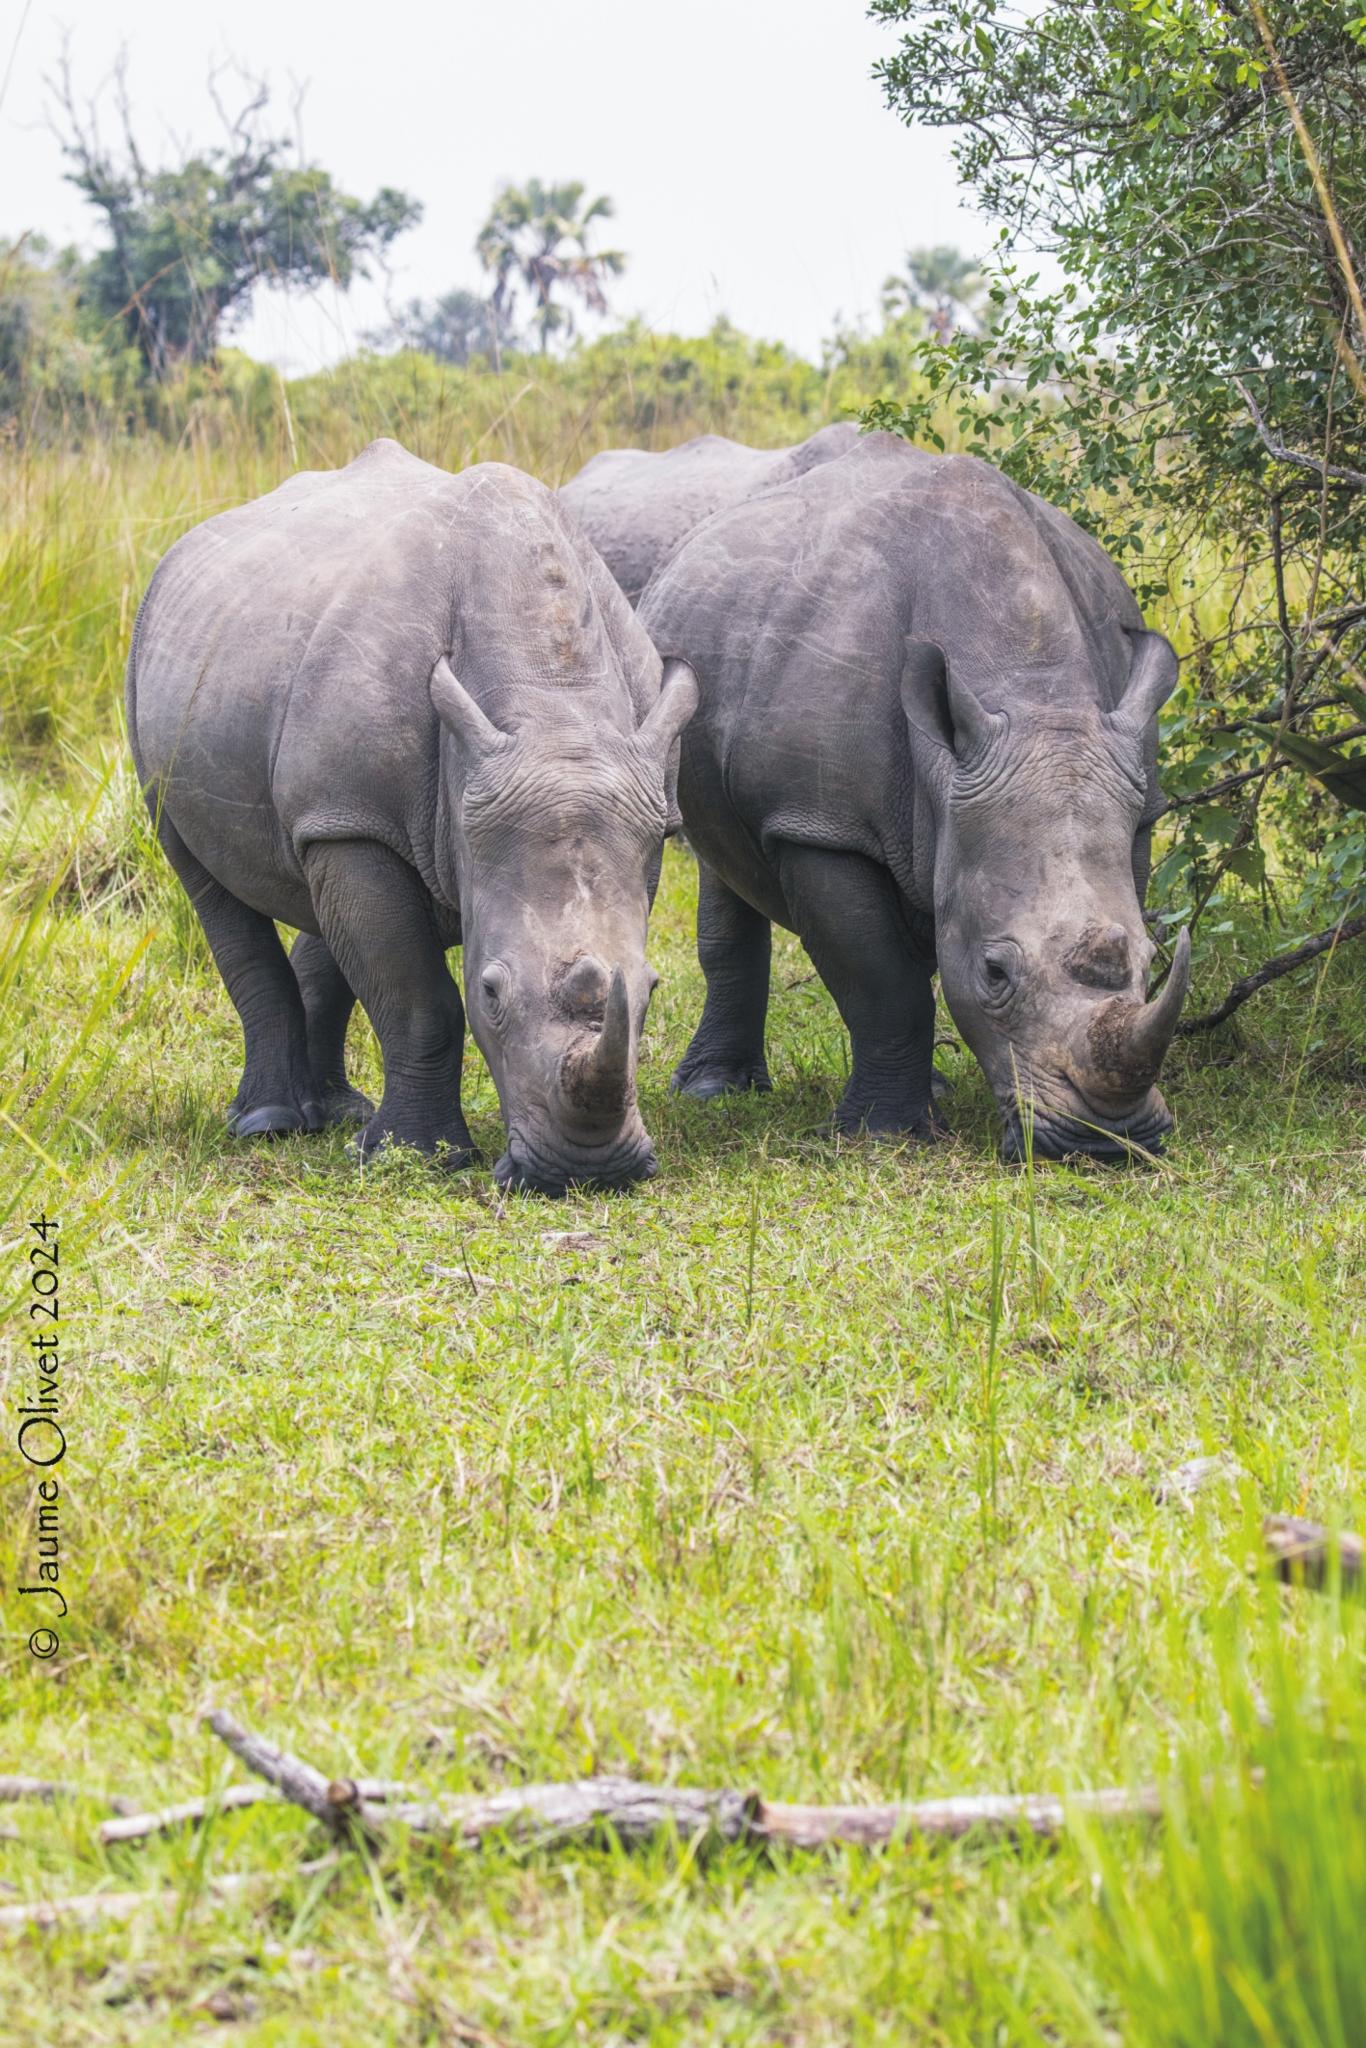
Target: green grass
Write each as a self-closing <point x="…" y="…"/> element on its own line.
<point x="822" y="1469"/>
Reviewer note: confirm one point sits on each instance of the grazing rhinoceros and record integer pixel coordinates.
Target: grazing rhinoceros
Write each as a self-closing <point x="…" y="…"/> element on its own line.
<point x="403" y="710"/>
<point x="636" y="506"/>
<point x="927" y="724"/>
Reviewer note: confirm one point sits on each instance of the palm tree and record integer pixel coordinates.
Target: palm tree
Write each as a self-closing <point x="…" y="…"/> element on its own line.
<point x="944" y="284"/>
<point x="537" y="235"/>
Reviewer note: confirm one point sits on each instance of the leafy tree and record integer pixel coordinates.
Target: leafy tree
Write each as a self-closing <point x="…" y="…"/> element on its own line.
<point x="55" y="374"/>
<point x="189" y="244"/>
<point x="1192" y="389"/>
<point x="452" y="329"/>
<point x="538" y="236"/>
<point x="943" y="283"/>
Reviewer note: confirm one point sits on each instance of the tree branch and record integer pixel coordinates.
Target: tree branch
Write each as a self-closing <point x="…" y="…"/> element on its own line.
<point x="1283" y="963"/>
<point x="1336" y="472"/>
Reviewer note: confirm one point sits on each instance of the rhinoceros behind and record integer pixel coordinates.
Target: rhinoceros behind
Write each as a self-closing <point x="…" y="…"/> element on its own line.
<point x="636" y="506"/>
<point x="927" y="725"/>
<point x="403" y="710"/>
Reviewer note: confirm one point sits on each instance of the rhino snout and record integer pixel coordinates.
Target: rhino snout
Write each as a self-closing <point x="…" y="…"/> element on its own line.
<point x="539" y="1168"/>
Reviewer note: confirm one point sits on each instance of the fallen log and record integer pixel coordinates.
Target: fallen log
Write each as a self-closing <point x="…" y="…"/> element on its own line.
<point x="546" y="1815"/>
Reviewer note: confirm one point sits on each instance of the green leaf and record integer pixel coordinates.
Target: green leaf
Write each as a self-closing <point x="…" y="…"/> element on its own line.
<point x="1342" y="775"/>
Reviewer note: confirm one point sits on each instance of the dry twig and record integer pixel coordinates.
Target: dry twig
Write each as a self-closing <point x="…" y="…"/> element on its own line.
<point x="90" y="1907"/>
<point x="135" y="1827"/>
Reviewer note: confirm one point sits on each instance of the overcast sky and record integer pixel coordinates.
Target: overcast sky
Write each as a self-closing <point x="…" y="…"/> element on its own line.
<point x="755" y="169"/>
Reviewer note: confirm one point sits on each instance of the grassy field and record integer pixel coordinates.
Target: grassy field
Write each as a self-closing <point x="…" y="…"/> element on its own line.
<point x="826" y="1470"/>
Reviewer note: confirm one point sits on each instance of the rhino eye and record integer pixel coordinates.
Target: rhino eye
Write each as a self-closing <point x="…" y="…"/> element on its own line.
<point x="494" y="985"/>
<point x="1000" y="970"/>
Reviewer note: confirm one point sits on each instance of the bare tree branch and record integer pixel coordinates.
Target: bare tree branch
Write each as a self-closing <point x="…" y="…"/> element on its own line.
<point x="1283" y="963"/>
<point x="549" y="1814"/>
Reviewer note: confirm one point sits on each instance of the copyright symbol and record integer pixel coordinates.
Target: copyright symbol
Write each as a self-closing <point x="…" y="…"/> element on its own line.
<point x="44" y="1642"/>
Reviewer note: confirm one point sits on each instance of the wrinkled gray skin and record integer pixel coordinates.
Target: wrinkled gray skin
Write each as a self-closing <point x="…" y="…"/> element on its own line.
<point x="927" y="725"/>
<point x="637" y="506"/>
<point x="309" y="755"/>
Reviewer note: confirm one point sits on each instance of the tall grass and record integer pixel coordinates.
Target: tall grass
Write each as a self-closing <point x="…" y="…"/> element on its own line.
<point x="824" y="1468"/>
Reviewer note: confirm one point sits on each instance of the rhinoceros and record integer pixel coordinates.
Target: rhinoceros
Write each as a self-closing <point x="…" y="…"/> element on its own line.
<point x="403" y="710"/>
<point x="636" y="505"/>
<point x="927" y="732"/>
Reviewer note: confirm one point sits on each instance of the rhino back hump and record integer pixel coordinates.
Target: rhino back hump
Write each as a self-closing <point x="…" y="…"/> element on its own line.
<point x="637" y="506"/>
<point x="280" y="676"/>
<point x="795" y="609"/>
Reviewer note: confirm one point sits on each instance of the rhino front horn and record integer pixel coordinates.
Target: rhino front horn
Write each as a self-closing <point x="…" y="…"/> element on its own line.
<point x="1153" y="1026"/>
<point x="597" y="1079"/>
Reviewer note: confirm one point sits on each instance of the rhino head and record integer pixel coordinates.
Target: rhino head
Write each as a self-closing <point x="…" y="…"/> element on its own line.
<point x="558" y="833"/>
<point x="1043" y="955"/>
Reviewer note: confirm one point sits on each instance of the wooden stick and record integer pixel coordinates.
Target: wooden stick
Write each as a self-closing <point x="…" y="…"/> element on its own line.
<point x="998" y="1813"/>
<point x="299" y="1782"/>
<point x="1302" y="1552"/>
<point x="48" y="1789"/>
<point x="93" y="1906"/>
<point x="135" y="1827"/>
<point x="550" y="1814"/>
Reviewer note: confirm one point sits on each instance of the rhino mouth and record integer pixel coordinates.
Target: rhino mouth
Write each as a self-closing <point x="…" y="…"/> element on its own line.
<point x="544" y="1170"/>
<point x="1085" y="1134"/>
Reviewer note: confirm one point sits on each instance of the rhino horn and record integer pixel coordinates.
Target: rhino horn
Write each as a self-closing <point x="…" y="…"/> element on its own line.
<point x="1138" y="1042"/>
<point x="597" y="1077"/>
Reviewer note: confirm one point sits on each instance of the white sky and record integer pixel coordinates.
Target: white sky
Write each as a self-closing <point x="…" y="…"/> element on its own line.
<point x="755" y="169"/>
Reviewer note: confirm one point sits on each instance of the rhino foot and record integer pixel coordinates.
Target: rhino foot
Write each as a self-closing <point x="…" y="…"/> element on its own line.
<point x="926" y="1128"/>
<point x="345" y="1105"/>
<point x="451" y="1148"/>
<point x="705" y="1080"/>
<point x="275" y="1119"/>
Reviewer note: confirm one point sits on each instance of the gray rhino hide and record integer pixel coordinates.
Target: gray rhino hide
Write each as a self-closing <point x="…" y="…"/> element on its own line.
<point x="808" y="614"/>
<point x="636" y="506"/>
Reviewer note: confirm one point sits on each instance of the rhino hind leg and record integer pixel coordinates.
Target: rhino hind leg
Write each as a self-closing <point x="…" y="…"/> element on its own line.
<point x="328" y="1002"/>
<point x="734" y="941"/>
<point x="849" y="916"/>
<point x="378" y="925"/>
<point x="276" y="1095"/>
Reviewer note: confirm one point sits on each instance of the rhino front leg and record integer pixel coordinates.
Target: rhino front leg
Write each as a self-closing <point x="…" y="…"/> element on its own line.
<point x="849" y="916"/>
<point x="276" y="1095"/>
<point x="734" y="942"/>
<point x="328" y="1002"/>
<point x="376" y="918"/>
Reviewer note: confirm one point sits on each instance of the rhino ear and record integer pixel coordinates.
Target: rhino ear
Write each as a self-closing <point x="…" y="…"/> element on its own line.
<point x="677" y="701"/>
<point x="659" y="733"/>
<point x="947" y="721"/>
<point x="925" y="699"/>
<point x="1153" y="669"/>
<point x="460" y="714"/>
